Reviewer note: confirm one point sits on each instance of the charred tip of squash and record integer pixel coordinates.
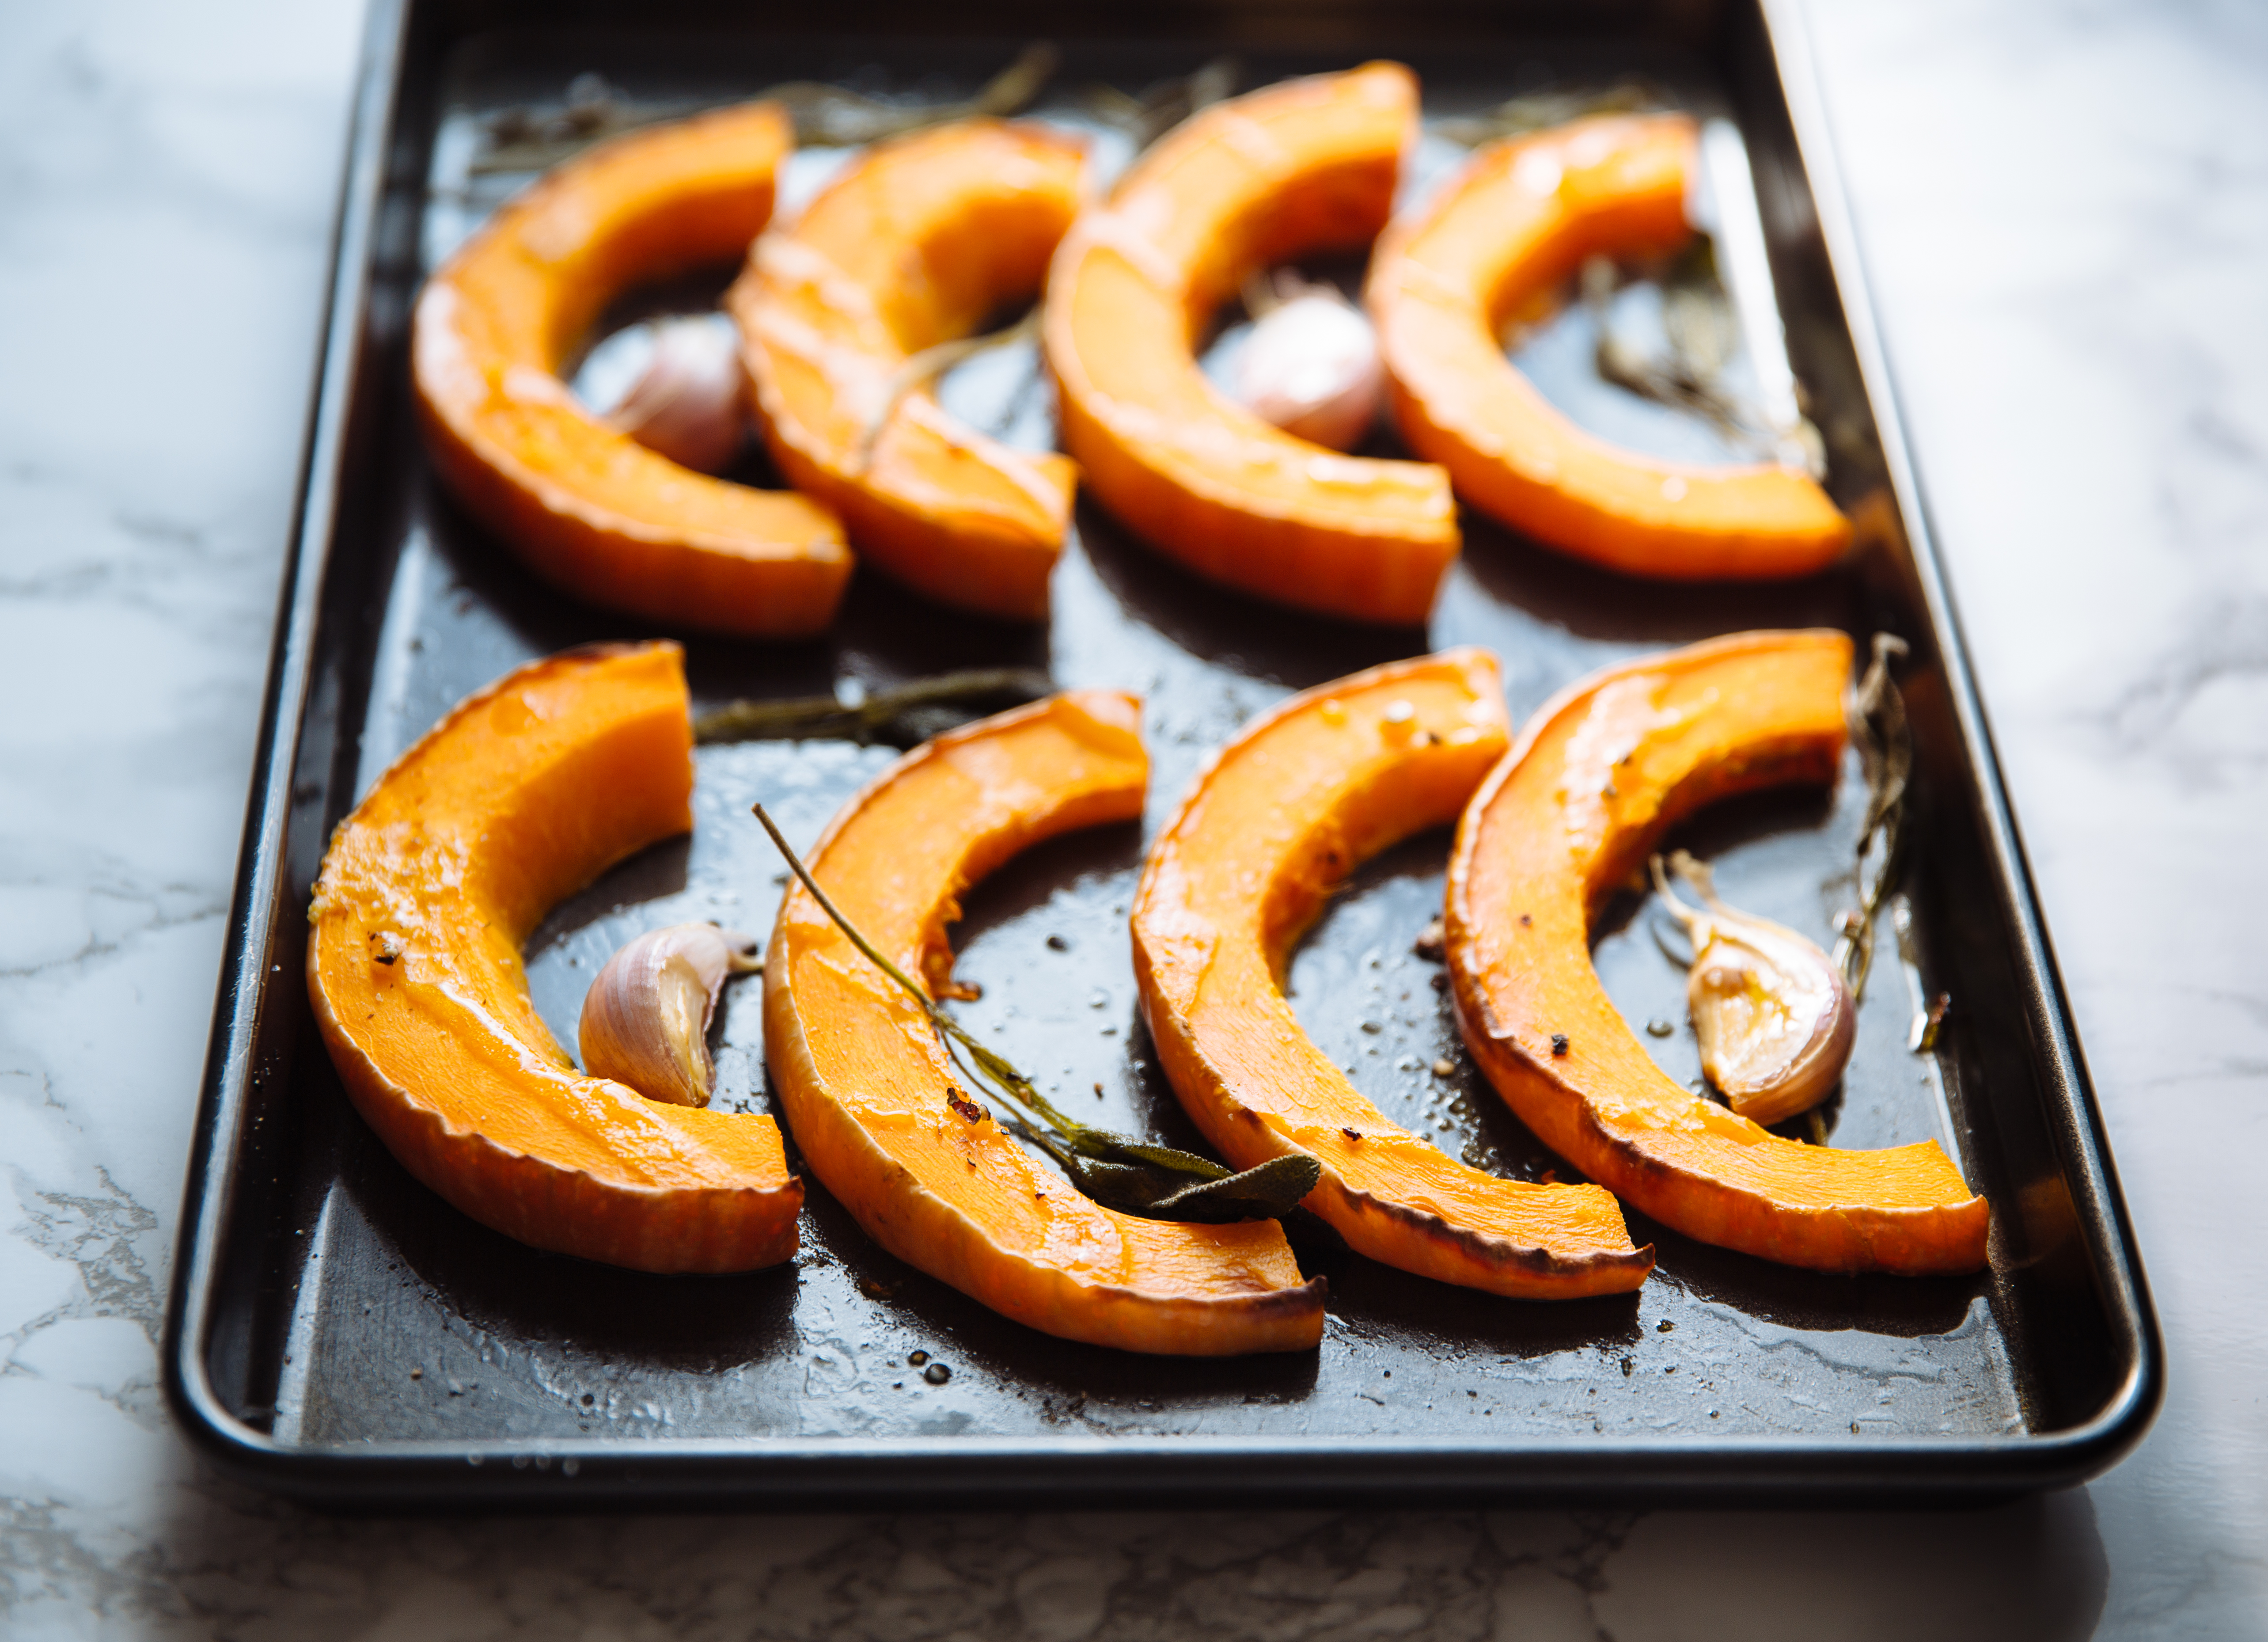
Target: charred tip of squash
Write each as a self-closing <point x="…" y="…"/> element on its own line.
<point x="1301" y="1300"/>
<point x="1496" y="1254"/>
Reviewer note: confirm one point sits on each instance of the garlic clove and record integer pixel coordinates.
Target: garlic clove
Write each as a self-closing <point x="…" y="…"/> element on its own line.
<point x="691" y="404"/>
<point x="1310" y="365"/>
<point x="1773" y="1016"/>
<point x="1775" y="1020"/>
<point x="646" y="1019"/>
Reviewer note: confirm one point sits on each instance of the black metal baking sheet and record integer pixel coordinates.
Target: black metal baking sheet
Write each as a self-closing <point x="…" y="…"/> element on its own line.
<point x="339" y="1333"/>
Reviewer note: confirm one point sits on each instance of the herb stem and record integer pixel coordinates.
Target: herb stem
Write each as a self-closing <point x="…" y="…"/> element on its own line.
<point x="1876" y="715"/>
<point x="520" y="139"/>
<point x="812" y="717"/>
<point x="1158" y="111"/>
<point x="1538" y="110"/>
<point x="920" y="368"/>
<point x="1137" y="1176"/>
<point x="991" y="1067"/>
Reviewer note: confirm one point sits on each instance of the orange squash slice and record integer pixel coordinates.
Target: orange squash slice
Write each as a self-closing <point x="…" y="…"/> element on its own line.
<point x="864" y="1080"/>
<point x="523" y="794"/>
<point x="1519" y="218"/>
<point x="1589" y="786"/>
<point x="1306" y="164"/>
<point x="1300" y="798"/>
<point x="588" y="508"/>
<point x="913" y="246"/>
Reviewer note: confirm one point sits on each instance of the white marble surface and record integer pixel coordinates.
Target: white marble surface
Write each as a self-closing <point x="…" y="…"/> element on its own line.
<point x="2065" y="206"/>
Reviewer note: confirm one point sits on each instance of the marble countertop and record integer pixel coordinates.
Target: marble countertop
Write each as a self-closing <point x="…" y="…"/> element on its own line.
<point x="2063" y="205"/>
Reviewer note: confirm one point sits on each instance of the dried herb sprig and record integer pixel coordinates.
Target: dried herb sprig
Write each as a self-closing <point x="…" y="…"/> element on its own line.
<point x="1876" y="715"/>
<point x="1163" y="107"/>
<point x="1699" y="325"/>
<point x="1139" y="1177"/>
<point x="901" y="716"/>
<point x="1517" y="116"/>
<point x="921" y="368"/>
<point x="828" y="115"/>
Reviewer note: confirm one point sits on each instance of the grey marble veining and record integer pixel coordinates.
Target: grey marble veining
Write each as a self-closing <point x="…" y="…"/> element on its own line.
<point x="2063" y="216"/>
<point x="2065" y="212"/>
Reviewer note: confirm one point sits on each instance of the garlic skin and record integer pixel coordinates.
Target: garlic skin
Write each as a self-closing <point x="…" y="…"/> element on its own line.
<point x="646" y="1019"/>
<point x="691" y="404"/>
<point x="1775" y="1019"/>
<point x="1310" y="365"/>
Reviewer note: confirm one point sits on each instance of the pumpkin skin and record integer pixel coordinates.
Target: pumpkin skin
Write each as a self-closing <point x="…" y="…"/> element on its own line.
<point x="527" y="791"/>
<point x="914" y="245"/>
<point x="587" y="508"/>
<point x="1591" y="783"/>
<point x="1306" y="164"/>
<point x="863" y="1078"/>
<point x="1298" y="798"/>
<point x="1520" y="217"/>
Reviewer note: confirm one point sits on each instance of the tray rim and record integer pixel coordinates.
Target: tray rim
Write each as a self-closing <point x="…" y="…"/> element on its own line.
<point x="1135" y="1470"/>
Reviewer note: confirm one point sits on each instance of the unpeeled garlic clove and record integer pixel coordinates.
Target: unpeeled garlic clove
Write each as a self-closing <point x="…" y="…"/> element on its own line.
<point x="1310" y="365"/>
<point x="690" y="404"/>
<point x="646" y="1019"/>
<point x="1775" y="1019"/>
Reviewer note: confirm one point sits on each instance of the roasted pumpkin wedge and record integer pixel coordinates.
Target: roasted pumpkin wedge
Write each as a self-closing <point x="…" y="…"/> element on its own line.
<point x="588" y="508"/>
<point x="1590" y="784"/>
<point x="1300" y="798"/>
<point x="912" y="247"/>
<point x="1306" y="164"/>
<point x="1519" y="218"/>
<point x="524" y="793"/>
<point x="879" y="1108"/>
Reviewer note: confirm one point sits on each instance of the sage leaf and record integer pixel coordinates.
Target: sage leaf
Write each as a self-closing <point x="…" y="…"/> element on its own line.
<point x="1268" y="1192"/>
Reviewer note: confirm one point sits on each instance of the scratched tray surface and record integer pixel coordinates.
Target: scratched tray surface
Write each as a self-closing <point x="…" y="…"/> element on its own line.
<point x="378" y="1319"/>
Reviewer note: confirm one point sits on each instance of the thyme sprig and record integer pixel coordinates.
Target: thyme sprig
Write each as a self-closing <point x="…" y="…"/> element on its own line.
<point x="1536" y="111"/>
<point x="829" y="116"/>
<point x="1698" y="323"/>
<point x="920" y="369"/>
<point x="1159" y="1182"/>
<point x="1876" y="715"/>
<point x="1162" y="106"/>
<point x="519" y="139"/>
<point x="901" y="716"/>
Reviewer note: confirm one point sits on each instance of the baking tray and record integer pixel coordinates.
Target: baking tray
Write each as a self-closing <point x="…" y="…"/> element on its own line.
<point x="339" y="1333"/>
